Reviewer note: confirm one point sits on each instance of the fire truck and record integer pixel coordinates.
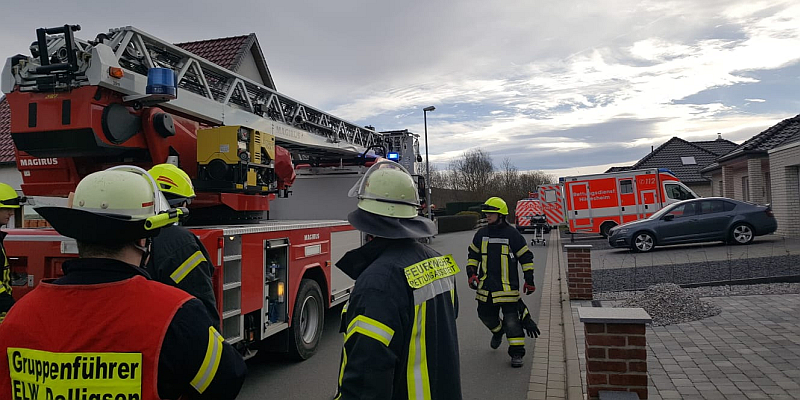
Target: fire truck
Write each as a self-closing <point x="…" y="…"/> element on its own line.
<point x="271" y="173"/>
<point x="597" y="203"/>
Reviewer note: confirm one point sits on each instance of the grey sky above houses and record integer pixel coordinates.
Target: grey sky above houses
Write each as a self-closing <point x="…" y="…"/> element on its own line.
<point x="565" y="87"/>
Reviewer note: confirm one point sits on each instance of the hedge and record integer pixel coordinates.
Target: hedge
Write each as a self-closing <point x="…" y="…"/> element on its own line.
<point x="455" y="223"/>
<point x="453" y="208"/>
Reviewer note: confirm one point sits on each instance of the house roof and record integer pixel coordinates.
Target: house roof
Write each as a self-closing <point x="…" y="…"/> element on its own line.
<point x="619" y="169"/>
<point x="719" y="147"/>
<point x="785" y="131"/>
<point x="671" y="155"/>
<point x="229" y="52"/>
<point x="6" y="144"/>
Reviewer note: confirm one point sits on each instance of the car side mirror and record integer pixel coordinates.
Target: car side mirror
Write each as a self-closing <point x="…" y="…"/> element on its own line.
<point x="669" y="217"/>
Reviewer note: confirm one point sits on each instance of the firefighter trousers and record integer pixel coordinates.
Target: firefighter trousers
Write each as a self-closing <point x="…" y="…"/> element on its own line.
<point x="510" y="324"/>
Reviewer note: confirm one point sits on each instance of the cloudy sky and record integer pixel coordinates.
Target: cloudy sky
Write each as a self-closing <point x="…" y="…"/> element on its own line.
<point x="567" y="88"/>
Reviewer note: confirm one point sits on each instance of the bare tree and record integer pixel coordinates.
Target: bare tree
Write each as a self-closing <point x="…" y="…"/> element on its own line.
<point x="473" y="172"/>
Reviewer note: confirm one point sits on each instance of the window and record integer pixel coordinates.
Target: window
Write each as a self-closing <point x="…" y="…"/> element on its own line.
<point x="728" y="206"/>
<point x="711" y="206"/>
<point x="767" y="188"/>
<point x="677" y="192"/>
<point x="688" y="161"/>
<point x="550" y="196"/>
<point x="683" y="210"/>
<point x="745" y="188"/>
<point x="721" y="192"/>
<point x="626" y="186"/>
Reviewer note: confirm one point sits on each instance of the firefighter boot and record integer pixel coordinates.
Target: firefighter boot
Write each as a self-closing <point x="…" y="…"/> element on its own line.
<point x="516" y="361"/>
<point x="497" y="339"/>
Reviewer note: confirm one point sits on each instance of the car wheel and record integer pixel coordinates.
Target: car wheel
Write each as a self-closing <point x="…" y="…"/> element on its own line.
<point x="307" y="321"/>
<point x="742" y="234"/>
<point x="605" y="228"/>
<point x="643" y="242"/>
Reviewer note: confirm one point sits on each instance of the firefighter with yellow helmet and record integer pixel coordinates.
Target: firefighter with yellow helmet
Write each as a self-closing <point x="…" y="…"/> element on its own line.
<point x="399" y="326"/>
<point x="104" y="330"/>
<point x="492" y="272"/>
<point x="9" y="202"/>
<point x="178" y="257"/>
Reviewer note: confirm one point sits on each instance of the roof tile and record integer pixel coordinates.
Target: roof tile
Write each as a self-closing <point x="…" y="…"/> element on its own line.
<point x="669" y="154"/>
<point x="225" y="52"/>
<point x="783" y="132"/>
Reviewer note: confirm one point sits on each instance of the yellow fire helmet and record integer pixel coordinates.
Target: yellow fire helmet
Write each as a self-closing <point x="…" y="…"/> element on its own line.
<point x="495" y="205"/>
<point x="9" y="197"/>
<point x="118" y="205"/>
<point x="388" y="204"/>
<point x="173" y="182"/>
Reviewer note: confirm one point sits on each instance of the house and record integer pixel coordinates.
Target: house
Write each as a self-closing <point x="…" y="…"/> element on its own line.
<point x="240" y="54"/>
<point x="764" y="170"/>
<point x="685" y="160"/>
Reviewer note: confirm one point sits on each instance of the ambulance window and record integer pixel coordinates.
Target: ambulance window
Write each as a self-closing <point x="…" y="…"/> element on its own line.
<point x="550" y="196"/>
<point x="625" y="186"/>
<point x="677" y="192"/>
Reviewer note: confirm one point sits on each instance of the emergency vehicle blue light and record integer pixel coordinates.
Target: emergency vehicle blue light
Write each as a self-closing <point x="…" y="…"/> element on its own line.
<point x="393" y="156"/>
<point x="161" y="81"/>
<point x="667" y="171"/>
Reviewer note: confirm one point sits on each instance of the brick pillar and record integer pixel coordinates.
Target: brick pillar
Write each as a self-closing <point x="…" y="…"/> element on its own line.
<point x="579" y="271"/>
<point x="616" y="349"/>
<point x="756" y="178"/>
<point x="727" y="183"/>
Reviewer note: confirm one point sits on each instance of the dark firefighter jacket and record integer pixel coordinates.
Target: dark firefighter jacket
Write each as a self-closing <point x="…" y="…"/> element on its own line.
<point x="192" y="355"/>
<point x="6" y="301"/>
<point x="399" y="326"/>
<point x="493" y="255"/>
<point x="179" y="259"/>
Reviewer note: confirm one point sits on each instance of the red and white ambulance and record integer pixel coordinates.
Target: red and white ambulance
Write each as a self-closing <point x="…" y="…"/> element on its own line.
<point x="597" y="203"/>
<point x="528" y="212"/>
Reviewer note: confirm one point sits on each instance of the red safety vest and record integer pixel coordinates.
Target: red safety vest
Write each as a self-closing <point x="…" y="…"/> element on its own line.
<point x="82" y="340"/>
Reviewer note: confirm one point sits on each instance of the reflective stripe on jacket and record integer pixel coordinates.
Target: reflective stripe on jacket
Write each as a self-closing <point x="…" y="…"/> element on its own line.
<point x="493" y="256"/>
<point x="399" y="326"/>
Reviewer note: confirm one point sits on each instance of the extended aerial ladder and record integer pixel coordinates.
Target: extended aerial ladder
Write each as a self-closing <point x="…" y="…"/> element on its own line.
<point x="88" y="107"/>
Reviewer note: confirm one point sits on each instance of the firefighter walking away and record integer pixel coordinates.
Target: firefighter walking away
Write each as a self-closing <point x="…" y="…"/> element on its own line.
<point x="492" y="272"/>
<point x="399" y="326"/>
<point x="104" y="329"/>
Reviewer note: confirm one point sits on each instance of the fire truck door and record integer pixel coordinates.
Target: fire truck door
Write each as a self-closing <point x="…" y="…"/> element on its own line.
<point x="580" y="212"/>
<point x="647" y="205"/>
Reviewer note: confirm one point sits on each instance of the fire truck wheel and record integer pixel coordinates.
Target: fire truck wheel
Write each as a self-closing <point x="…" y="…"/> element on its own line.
<point x="605" y="228"/>
<point x="642" y="242"/>
<point x="307" y="321"/>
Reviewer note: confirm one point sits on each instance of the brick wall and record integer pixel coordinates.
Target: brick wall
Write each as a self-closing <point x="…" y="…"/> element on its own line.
<point x="702" y="189"/>
<point x="755" y="174"/>
<point x="728" y="186"/>
<point x="785" y="178"/>
<point x="579" y="271"/>
<point x="616" y="350"/>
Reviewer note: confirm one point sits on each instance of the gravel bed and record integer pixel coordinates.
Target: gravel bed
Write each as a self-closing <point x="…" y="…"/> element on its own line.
<point x="637" y="278"/>
<point x="714" y="291"/>
<point x="668" y="304"/>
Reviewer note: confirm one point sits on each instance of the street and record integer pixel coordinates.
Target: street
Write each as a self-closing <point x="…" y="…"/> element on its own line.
<point x="485" y="373"/>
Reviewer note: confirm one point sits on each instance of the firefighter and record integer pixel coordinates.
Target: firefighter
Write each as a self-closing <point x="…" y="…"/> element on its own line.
<point x="178" y="257"/>
<point x="492" y="271"/>
<point x="399" y="326"/>
<point x="9" y="201"/>
<point x="104" y="330"/>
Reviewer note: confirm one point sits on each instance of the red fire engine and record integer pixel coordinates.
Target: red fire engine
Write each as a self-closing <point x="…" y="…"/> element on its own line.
<point x="128" y="97"/>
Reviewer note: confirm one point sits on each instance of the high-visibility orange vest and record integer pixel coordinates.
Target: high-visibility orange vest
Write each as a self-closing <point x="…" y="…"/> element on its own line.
<point x="77" y="341"/>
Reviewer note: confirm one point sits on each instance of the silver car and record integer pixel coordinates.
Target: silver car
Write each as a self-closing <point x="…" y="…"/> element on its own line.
<point x="698" y="220"/>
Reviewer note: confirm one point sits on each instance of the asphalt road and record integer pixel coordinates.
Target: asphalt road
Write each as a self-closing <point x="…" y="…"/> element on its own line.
<point x="485" y="373"/>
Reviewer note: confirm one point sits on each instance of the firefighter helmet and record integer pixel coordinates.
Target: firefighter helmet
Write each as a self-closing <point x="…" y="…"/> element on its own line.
<point x="173" y="182"/>
<point x="118" y="205"/>
<point x="495" y="205"/>
<point x="9" y="197"/>
<point x="388" y="204"/>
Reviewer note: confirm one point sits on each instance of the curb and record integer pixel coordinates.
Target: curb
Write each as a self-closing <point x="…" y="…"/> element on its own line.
<point x="555" y="373"/>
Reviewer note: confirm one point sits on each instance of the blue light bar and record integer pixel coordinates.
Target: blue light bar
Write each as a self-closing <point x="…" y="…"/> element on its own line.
<point x="161" y="81"/>
<point x="393" y="156"/>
